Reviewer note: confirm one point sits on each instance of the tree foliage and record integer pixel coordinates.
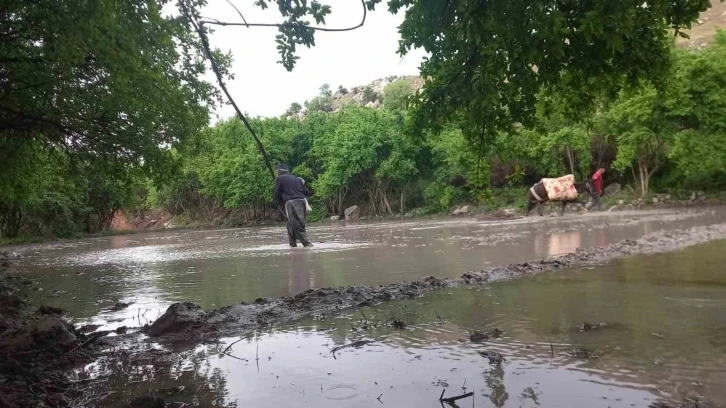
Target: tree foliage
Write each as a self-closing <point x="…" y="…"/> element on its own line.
<point x="490" y="60"/>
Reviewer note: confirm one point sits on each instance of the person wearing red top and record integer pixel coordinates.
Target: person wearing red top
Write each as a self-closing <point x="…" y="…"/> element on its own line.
<point x="597" y="185"/>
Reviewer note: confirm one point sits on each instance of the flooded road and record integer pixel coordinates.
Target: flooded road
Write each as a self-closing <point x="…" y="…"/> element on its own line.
<point x="663" y="339"/>
<point x="224" y="267"/>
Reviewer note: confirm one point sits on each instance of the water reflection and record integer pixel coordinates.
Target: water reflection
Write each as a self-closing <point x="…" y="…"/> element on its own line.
<point x="664" y="338"/>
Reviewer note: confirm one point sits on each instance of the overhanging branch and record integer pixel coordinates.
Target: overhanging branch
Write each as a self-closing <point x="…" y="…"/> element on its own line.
<point x="287" y="25"/>
<point x="208" y="51"/>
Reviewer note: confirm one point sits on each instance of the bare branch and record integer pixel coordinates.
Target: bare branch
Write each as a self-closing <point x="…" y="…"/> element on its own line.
<point x="289" y="25"/>
<point x="238" y="12"/>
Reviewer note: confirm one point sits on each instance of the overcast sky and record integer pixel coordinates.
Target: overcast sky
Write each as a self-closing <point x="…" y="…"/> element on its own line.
<point x="264" y="87"/>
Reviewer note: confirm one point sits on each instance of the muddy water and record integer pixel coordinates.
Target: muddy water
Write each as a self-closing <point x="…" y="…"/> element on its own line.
<point x="224" y="267"/>
<point x="664" y="339"/>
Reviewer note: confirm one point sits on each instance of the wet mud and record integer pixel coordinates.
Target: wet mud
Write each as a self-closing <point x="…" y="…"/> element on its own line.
<point x="38" y="348"/>
<point x="185" y="322"/>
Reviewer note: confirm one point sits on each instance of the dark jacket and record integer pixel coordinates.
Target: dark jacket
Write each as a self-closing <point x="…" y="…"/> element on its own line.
<point x="289" y="187"/>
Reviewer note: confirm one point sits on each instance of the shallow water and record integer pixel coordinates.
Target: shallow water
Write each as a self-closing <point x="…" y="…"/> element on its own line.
<point x="223" y="267"/>
<point x="664" y="338"/>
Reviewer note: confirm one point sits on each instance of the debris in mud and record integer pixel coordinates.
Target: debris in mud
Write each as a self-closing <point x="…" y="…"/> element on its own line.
<point x="118" y="306"/>
<point x="121" y="330"/>
<point x="50" y="310"/>
<point x="582" y="353"/>
<point x="147" y="402"/>
<point x="493" y="356"/>
<point x="167" y="392"/>
<point x="398" y="323"/>
<point x="452" y="400"/>
<point x="588" y="326"/>
<point x="478" y="337"/>
<point x="89" y="328"/>
<point x="355" y="344"/>
<point x="657" y="335"/>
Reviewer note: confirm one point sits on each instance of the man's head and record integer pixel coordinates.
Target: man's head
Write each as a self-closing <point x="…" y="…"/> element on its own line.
<point x="601" y="170"/>
<point x="282" y="169"/>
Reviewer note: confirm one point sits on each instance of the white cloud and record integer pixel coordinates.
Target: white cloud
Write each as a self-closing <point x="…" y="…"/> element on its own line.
<point x="264" y="87"/>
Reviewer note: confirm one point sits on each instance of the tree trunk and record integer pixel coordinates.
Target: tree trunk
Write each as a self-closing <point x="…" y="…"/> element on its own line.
<point x="385" y="201"/>
<point x="644" y="178"/>
<point x="571" y="159"/>
<point x="372" y="198"/>
<point x="403" y="199"/>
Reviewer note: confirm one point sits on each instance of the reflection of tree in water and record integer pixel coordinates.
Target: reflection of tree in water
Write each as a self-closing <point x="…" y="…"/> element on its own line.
<point x="494" y="379"/>
<point x="530" y="393"/>
<point x="203" y="385"/>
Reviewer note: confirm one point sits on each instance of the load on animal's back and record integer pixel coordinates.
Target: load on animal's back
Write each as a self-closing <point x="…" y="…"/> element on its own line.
<point x="561" y="189"/>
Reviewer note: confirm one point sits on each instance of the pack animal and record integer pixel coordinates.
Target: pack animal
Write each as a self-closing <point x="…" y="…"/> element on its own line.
<point x="537" y="195"/>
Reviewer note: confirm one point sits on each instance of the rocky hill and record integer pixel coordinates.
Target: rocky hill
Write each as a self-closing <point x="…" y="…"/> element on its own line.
<point x="703" y="31"/>
<point x="372" y="94"/>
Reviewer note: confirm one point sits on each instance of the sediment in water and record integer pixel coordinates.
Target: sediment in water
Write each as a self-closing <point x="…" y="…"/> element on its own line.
<point x="189" y="322"/>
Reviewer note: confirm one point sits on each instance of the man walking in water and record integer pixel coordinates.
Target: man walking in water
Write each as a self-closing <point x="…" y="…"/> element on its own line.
<point x="291" y="191"/>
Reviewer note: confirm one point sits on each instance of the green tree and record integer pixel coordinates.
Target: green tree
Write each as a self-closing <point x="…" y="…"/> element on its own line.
<point x="699" y="148"/>
<point x="396" y="95"/>
<point x="293" y="110"/>
<point x="488" y="61"/>
<point x="644" y="123"/>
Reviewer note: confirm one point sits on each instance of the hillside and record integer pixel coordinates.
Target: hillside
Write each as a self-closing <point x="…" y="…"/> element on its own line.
<point x="704" y="29"/>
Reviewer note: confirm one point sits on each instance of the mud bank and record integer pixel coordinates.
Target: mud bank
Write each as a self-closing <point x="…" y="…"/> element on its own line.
<point x="187" y="322"/>
<point x="38" y="347"/>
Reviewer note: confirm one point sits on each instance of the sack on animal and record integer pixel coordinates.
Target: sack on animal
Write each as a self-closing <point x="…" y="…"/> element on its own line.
<point x="561" y="188"/>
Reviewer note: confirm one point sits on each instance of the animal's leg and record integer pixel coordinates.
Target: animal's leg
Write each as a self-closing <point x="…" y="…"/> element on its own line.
<point x="564" y="206"/>
<point x="540" y="210"/>
<point x="530" y="205"/>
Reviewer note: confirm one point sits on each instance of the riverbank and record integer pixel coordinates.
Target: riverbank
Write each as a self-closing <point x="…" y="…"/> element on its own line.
<point x="504" y="208"/>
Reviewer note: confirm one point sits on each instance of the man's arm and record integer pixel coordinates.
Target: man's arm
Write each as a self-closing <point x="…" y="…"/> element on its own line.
<point x="306" y="191"/>
<point x="277" y="194"/>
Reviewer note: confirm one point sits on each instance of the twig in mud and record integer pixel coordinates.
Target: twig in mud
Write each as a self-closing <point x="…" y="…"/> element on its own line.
<point x="85" y="343"/>
<point x="379" y="398"/>
<point x="463" y="387"/>
<point x="257" y="357"/>
<point x="230" y="346"/>
<point x="356" y="344"/>
<point x="235" y="357"/>
<point x="365" y="319"/>
<point x="438" y="316"/>
<point x="552" y="350"/>
<point x="451" y="400"/>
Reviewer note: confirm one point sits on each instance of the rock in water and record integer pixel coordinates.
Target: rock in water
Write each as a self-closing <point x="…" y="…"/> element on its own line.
<point x="352" y="213"/>
<point x="613" y="189"/>
<point x="178" y="317"/>
<point x="465" y="209"/>
<point x="335" y="218"/>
